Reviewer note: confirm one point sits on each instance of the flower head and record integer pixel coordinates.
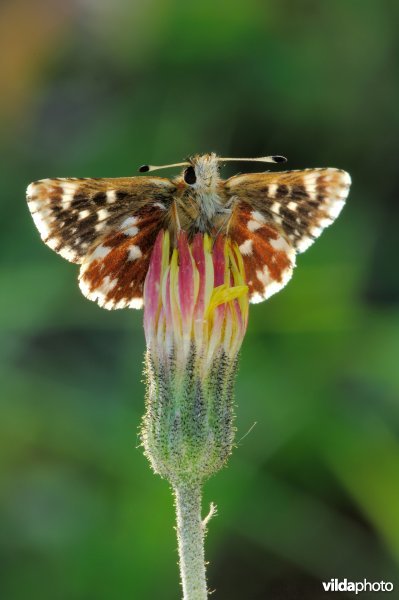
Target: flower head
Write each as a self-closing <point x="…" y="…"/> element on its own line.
<point x="197" y="297"/>
<point x="195" y="318"/>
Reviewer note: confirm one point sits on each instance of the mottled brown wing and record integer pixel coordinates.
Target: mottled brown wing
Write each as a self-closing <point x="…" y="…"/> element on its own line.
<point x="107" y="225"/>
<point x="268" y="256"/>
<point x="113" y="272"/>
<point x="276" y="215"/>
<point x="73" y="214"/>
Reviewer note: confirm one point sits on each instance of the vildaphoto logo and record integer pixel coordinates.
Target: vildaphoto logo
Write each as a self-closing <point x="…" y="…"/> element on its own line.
<point x="335" y="585"/>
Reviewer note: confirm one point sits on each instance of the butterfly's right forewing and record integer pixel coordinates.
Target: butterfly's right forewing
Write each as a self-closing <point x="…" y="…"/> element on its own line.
<point x="113" y="272"/>
<point x="72" y="214"/>
<point x="107" y="225"/>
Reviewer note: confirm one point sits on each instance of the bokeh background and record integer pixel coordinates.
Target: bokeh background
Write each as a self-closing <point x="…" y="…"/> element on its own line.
<point x="96" y="88"/>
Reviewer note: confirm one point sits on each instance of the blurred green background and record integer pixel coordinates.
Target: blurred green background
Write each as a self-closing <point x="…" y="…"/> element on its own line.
<point x="96" y="88"/>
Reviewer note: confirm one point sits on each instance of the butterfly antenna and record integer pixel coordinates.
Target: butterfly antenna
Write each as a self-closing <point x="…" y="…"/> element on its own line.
<point x="264" y="159"/>
<point x="148" y="168"/>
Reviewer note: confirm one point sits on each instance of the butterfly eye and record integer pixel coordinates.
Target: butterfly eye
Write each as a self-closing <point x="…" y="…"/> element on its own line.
<point x="190" y="176"/>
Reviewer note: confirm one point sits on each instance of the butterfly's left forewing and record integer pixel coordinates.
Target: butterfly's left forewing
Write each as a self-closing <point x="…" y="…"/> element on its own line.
<point x="268" y="256"/>
<point x="276" y="215"/>
<point x="107" y="225"/>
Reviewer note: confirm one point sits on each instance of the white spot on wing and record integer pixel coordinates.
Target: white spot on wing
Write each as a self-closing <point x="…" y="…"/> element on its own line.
<point x="316" y="231"/>
<point x="324" y="222"/>
<point x="68" y="192"/>
<point x="100" y="292"/>
<point x="34" y="205"/>
<point x="136" y="303"/>
<point x="42" y="223"/>
<point x="103" y="213"/>
<point x="271" y="286"/>
<point x="272" y="190"/>
<point x="111" y="196"/>
<point x="280" y="244"/>
<point x="257" y="221"/>
<point x="100" y="252"/>
<point x="335" y="208"/>
<point x="256" y="298"/>
<point x="309" y="184"/>
<point x="67" y="253"/>
<point x="304" y="243"/>
<point x="253" y="225"/>
<point x="246" y="247"/>
<point x="30" y="190"/>
<point x="128" y="226"/>
<point x="134" y="253"/>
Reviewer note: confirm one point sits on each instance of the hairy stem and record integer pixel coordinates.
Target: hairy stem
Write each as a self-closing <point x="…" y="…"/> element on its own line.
<point x="190" y="535"/>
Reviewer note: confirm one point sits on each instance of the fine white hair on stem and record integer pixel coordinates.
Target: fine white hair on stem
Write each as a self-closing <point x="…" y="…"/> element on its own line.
<point x="190" y="536"/>
<point x="213" y="511"/>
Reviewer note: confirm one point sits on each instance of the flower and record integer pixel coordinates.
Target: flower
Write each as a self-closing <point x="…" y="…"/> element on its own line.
<point x="197" y="297"/>
<point x="195" y="318"/>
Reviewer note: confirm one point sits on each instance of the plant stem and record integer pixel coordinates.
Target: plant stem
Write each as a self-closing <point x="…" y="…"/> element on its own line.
<point x="190" y="535"/>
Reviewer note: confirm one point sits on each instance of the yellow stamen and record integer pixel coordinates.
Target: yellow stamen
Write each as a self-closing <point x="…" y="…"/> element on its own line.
<point x="223" y="294"/>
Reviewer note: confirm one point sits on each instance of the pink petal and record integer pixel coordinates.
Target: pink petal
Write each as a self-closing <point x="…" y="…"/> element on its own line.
<point x="186" y="280"/>
<point x="219" y="260"/>
<point x="152" y="287"/>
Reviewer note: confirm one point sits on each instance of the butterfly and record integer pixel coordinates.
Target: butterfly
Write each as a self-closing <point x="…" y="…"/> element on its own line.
<point x="109" y="226"/>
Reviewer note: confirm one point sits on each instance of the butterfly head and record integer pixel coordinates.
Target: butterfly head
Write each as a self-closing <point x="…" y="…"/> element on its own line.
<point x="202" y="172"/>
